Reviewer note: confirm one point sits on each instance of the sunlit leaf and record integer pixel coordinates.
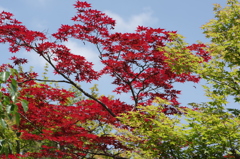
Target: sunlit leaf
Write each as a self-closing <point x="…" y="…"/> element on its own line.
<point x="25" y="105"/>
<point x="4" y="76"/>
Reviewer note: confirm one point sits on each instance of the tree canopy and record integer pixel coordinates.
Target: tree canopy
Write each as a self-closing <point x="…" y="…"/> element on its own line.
<point x="41" y="119"/>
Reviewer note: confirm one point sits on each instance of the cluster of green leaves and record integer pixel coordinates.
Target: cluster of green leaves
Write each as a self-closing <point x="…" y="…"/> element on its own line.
<point x="222" y="72"/>
<point x="179" y="56"/>
<point x="9" y="114"/>
<point x="200" y="133"/>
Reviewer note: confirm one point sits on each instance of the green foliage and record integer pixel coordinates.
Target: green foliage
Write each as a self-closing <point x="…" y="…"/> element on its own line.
<point x="212" y="133"/>
<point x="202" y="133"/>
<point x="223" y="71"/>
<point x="8" y="140"/>
<point x="9" y="116"/>
<point x="180" y="58"/>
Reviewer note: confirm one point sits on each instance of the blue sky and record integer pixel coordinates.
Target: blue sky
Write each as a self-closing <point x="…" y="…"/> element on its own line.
<point x="185" y="16"/>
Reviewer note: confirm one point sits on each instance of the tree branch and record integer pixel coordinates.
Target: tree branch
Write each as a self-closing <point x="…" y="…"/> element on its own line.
<point x="76" y="86"/>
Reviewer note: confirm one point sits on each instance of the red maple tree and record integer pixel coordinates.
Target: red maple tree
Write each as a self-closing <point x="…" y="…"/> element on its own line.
<point x="132" y="59"/>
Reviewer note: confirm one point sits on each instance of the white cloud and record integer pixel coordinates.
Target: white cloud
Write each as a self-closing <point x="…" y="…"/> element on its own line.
<point x="130" y="24"/>
<point x="86" y="51"/>
<point x="34" y="59"/>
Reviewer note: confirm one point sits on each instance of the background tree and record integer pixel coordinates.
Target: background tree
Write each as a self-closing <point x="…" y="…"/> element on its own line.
<point x="222" y="72"/>
<point x="200" y="133"/>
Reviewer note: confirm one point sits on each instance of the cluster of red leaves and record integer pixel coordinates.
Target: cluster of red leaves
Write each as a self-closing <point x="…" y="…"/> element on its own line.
<point x="93" y="110"/>
<point x="17" y="35"/>
<point x="132" y="59"/>
<point x="11" y="156"/>
<point x="93" y="25"/>
<point x="50" y="119"/>
<point x="18" y="61"/>
<point x="66" y="62"/>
